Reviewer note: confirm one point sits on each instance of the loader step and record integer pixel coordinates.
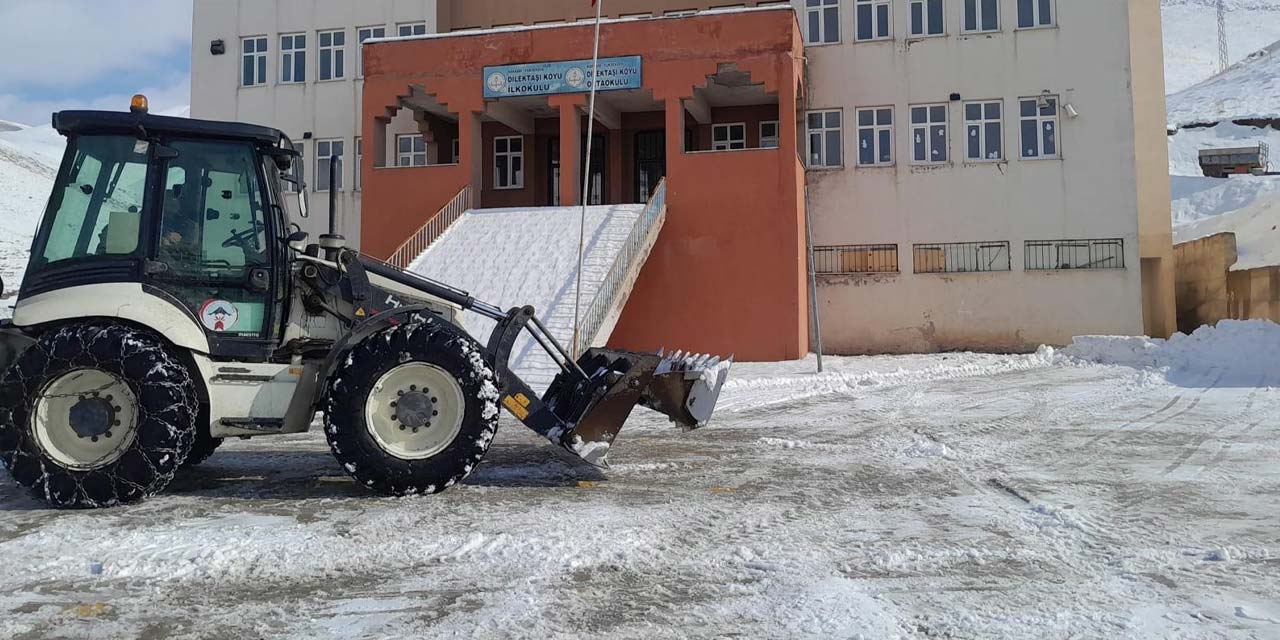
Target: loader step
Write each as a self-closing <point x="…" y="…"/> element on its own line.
<point x="264" y="425"/>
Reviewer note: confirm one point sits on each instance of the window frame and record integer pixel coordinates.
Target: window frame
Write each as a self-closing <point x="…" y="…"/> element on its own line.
<point x="982" y="122"/>
<point x="337" y="55"/>
<point x="776" y="137"/>
<point x="323" y="159"/>
<point x="359" y="166"/>
<point x="261" y="60"/>
<point x="876" y="129"/>
<point x="978" y="18"/>
<point x="924" y="17"/>
<point x="1040" y="120"/>
<point x="824" y="131"/>
<point x="729" y="140"/>
<point x="413" y="153"/>
<point x="360" y="39"/>
<point x="513" y="183"/>
<point x="1036" y="14"/>
<point x="875" y="22"/>
<point x="289" y="58"/>
<point x="413" y="26"/>
<point x="928" y="126"/>
<point x="820" y="7"/>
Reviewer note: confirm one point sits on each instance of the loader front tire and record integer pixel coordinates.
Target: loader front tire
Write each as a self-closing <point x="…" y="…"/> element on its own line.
<point x="413" y="409"/>
<point x="96" y="415"/>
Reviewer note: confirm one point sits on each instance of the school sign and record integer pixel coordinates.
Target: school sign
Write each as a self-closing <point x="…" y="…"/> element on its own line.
<point x="573" y="76"/>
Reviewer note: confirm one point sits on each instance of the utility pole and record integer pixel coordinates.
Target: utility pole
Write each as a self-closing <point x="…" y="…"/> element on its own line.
<point x="1224" y="59"/>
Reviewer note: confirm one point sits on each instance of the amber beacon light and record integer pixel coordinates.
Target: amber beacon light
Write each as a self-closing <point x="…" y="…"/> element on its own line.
<point x="138" y="104"/>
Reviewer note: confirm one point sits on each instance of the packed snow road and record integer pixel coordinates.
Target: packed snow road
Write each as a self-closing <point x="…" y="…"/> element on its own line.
<point x="950" y="496"/>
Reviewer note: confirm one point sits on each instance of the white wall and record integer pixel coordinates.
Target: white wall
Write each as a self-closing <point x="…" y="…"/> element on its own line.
<point x="1089" y="193"/>
<point x="326" y="110"/>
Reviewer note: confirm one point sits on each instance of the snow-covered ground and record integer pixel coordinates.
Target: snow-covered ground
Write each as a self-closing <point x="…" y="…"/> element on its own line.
<point x="25" y="182"/>
<point x="1250" y="89"/>
<point x="516" y="257"/>
<point x="943" y="496"/>
<point x="1191" y="36"/>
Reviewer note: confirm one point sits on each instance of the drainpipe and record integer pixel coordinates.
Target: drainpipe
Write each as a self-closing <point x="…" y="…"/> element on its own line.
<point x="814" y="321"/>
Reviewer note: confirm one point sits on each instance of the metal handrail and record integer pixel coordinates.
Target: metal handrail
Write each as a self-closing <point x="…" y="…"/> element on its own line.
<point x="424" y="237"/>
<point x="615" y="279"/>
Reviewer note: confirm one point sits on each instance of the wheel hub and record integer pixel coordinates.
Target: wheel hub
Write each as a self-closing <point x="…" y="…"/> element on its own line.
<point x="92" y="417"/>
<point x="415" y="409"/>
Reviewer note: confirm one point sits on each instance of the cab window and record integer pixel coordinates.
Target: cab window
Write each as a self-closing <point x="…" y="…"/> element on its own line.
<point x="212" y="222"/>
<point x="97" y="202"/>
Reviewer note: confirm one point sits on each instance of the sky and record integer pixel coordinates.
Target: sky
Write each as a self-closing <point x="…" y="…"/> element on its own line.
<point x="69" y="54"/>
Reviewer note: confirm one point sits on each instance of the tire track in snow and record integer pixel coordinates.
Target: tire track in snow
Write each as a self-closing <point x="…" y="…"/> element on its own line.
<point x="1222" y="424"/>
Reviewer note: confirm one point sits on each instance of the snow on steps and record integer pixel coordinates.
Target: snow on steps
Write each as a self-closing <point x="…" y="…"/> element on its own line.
<point x="528" y="256"/>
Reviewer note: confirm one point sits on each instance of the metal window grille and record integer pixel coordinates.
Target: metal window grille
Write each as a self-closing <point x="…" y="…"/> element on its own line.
<point x="1049" y="255"/>
<point x="856" y="258"/>
<point x="962" y="257"/>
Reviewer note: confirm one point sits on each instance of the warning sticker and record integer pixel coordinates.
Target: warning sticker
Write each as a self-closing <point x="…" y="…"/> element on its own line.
<point x="219" y="315"/>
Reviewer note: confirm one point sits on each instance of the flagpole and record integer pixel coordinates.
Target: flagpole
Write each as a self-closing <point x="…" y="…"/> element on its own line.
<point x="586" y="185"/>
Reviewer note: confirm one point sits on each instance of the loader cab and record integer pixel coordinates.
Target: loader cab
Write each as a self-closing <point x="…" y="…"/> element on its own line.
<point x="192" y="211"/>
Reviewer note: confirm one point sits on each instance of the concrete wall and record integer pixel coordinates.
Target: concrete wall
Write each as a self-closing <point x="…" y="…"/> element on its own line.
<point x="1255" y="294"/>
<point x="470" y="14"/>
<point x="1103" y="186"/>
<point x="1202" y="267"/>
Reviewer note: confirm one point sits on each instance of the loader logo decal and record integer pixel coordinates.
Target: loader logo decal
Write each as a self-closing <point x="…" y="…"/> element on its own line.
<point x="518" y="405"/>
<point x="219" y="315"/>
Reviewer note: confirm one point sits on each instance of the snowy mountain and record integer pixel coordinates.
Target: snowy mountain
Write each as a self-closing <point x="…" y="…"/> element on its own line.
<point x="1191" y="36"/>
<point x="25" y="182"/>
<point x="1249" y="89"/>
<point x="5" y="125"/>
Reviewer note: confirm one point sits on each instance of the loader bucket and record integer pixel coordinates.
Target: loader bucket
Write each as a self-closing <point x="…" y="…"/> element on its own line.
<point x="683" y="387"/>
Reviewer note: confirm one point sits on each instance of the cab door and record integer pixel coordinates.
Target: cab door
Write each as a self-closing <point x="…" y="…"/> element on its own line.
<point x="214" y="252"/>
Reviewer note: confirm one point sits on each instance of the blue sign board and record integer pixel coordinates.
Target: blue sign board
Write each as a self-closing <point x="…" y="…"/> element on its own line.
<point x="573" y="76"/>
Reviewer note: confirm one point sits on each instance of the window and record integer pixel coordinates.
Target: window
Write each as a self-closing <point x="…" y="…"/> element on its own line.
<point x="875" y="136"/>
<point x="97" y="202"/>
<point x="873" y="19"/>
<point x="929" y="134"/>
<point x="253" y="57"/>
<point x="962" y="257"/>
<point x="359" y="161"/>
<point x="729" y="137"/>
<point x="508" y="163"/>
<point x="411" y="150"/>
<point x="856" y="258"/>
<point x="826" y="139"/>
<point x="1050" y="255"/>
<point x="333" y="55"/>
<point x="1039" y="126"/>
<point x="325" y="150"/>
<point x="1035" y="13"/>
<point x="293" y="58"/>
<point x="407" y="29"/>
<point x="981" y="15"/>
<point x="362" y="34"/>
<point x="769" y="134"/>
<point x="455" y="159"/>
<point x="823" y="17"/>
<point x="984" y="140"/>
<point x="927" y="18"/>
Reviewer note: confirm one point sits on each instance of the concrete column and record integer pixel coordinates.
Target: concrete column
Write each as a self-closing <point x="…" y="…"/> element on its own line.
<point x="471" y="151"/>
<point x="618" y="182"/>
<point x="570" y="148"/>
<point x="675" y="133"/>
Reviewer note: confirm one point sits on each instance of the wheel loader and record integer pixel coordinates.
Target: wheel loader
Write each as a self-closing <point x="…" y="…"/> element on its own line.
<point x="170" y="303"/>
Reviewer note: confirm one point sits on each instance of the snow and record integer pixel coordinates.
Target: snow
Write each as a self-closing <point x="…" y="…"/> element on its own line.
<point x="517" y="257"/>
<point x="1185" y="145"/>
<point x="1191" y="36"/>
<point x="1250" y="89"/>
<point x="1256" y="225"/>
<point x="1118" y="488"/>
<point x="25" y="183"/>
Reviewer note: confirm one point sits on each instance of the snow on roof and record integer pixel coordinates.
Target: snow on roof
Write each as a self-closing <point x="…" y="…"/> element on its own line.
<point x="579" y="23"/>
<point x="528" y="256"/>
<point x="1248" y="90"/>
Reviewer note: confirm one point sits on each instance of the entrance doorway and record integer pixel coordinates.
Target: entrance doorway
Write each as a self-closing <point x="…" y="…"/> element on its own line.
<point x="597" y="186"/>
<point x="651" y="163"/>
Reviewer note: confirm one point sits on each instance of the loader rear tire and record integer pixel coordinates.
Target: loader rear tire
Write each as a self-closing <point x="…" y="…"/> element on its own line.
<point x="413" y="409"/>
<point x="203" y="446"/>
<point x="96" y="415"/>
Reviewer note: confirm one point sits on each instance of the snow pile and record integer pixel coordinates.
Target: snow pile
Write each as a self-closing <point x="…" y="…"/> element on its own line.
<point x="1185" y="145"/>
<point x="1257" y="229"/>
<point x="1245" y="348"/>
<point x="517" y="257"/>
<point x="1191" y="36"/>
<point x="1249" y="89"/>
